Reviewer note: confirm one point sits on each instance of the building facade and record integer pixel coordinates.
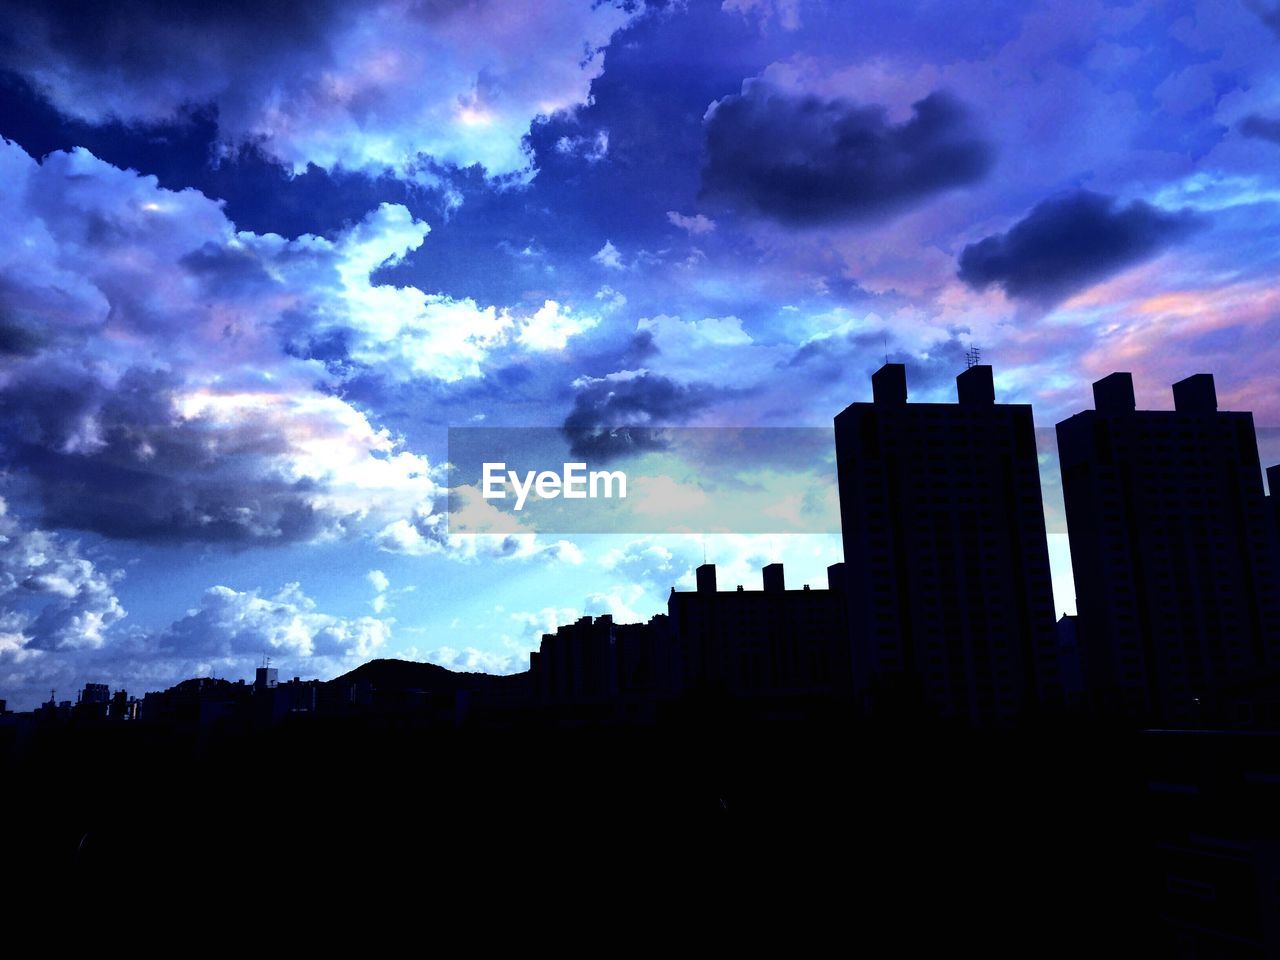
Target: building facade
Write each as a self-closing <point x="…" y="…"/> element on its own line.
<point x="946" y="561"/>
<point x="1173" y="558"/>
<point x="773" y="642"/>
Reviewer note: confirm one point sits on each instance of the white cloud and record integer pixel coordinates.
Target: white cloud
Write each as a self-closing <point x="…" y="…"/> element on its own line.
<point x="697" y="225"/>
<point x="653" y="561"/>
<point x="474" y="660"/>
<point x="378" y="580"/>
<point x="608" y="257"/>
<point x="52" y="597"/>
<point x="593" y="149"/>
<point x="715" y="348"/>
<point x="229" y="623"/>
<point x="610" y="298"/>
<point x="711" y="331"/>
<point x="60" y="626"/>
<point x="166" y="342"/>
<point x="619" y="603"/>
<point x="765" y="12"/>
<point x="551" y="326"/>
<point x="426" y="533"/>
<point x="406" y="332"/>
<point x="537" y="622"/>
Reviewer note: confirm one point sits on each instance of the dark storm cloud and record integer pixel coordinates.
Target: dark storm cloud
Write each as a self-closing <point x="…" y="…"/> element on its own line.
<point x="230" y="270"/>
<point x="1261" y="128"/>
<point x="18" y="339"/>
<point x="369" y="87"/>
<point x="1269" y="12"/>
<point x="832" y="358"/>
<point x="260" y="195"/>
<point x="614" y="417"/>
<point x="128" y="38"/>
<point x="166" y="377"/>
<point x="831" y="352"/>
<point x="804" y="160"/>
<point x="1071" y="241"/>
<point x="120" y="461"/>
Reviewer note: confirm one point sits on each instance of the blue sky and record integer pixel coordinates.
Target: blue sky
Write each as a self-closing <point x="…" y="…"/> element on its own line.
<point x="258" y="260"/>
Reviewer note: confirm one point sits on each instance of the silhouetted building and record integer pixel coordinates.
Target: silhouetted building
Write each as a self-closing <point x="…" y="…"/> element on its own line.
<point x="836" y="577"/>
<point x="93" y="702"/>
<point x="199" y="703"/>
<point x="946" y="560"/>
<point x="265" y="678"/>
<point x="1174" y="565"/>
<point x="123" y="706"/>
<point x="1069" y="662"/>
<point x="768" y="643"/>
<point x="95" y="693"/>
<point x="610" y="672"/>
<point x="276" y="701"/>
<point x="705" y="578"/>
<point x="643" y="658"/>
<point x="576" y="664"/>
<point x="1273" y="501"/>
<point x="53" y="710"/>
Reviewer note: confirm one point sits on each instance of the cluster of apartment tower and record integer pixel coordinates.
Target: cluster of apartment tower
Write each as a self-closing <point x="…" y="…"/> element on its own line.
<point x="944" y="603"/>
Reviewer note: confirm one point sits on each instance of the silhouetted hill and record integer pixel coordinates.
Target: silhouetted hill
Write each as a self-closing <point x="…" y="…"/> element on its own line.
<point x="387" y="674"/>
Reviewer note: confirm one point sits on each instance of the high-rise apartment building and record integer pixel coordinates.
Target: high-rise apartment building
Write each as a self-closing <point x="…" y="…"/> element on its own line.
<point x="946" y="559"/>
<point x="1173" y="558"/>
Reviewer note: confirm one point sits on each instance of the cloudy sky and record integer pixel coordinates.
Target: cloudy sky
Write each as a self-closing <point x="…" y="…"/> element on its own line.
<point x="256" y="262"/>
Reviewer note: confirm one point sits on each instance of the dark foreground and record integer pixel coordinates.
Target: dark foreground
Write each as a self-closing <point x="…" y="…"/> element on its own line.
<point x="1014" y="844"/>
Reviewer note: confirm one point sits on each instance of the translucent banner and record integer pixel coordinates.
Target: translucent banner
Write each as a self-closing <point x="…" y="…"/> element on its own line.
<point x="650" y="480"/>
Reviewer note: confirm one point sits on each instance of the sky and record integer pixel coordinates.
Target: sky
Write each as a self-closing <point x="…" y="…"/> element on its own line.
<point x="259" y="258"/>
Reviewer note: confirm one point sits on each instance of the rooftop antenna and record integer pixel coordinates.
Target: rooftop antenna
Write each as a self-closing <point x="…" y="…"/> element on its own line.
<point x="972" y="357"/>
<point x="886" y="348"/>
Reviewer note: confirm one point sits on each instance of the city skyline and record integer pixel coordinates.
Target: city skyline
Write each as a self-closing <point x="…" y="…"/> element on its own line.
<point x="253" y="273"/>
<point x="941" y="607"/>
